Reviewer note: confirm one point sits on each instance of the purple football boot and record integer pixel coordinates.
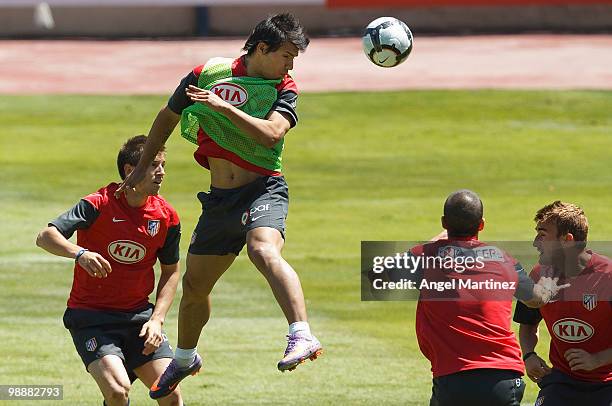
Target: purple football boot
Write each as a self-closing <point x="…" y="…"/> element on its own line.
<point x="300" y="347"/>
<point x="169" y="380"/>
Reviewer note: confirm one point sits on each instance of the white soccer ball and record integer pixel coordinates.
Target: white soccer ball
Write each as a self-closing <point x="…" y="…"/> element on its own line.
<point x="387" y="41"/>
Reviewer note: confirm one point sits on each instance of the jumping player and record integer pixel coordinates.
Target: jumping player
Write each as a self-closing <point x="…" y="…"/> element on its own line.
<point x="116" y="331"/>
<point x="578" y="322"/>
<point x="238" y="112"/>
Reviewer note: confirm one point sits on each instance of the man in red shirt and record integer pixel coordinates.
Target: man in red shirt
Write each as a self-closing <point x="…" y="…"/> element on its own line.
<point x="238" y="111"/>
<point x="116" y="331"/>
<point x="464" y="310"/>
<point x="579" y="322"/>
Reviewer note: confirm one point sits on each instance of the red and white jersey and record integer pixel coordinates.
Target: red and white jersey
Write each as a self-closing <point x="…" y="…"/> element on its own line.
<point x="581" y="317"/>
<point x="130" y="239"/>
<point x="457" y="333"/>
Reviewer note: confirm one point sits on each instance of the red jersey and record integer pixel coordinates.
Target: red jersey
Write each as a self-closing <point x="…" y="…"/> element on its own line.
<point x="455" y="331"/>
<point x="285" y="103"/>
<point x="581" y="317"/>
<point x="130" y="239"/>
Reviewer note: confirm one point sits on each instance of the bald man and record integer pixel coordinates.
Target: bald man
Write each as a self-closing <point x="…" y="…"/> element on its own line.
<point x="464" y="328"/>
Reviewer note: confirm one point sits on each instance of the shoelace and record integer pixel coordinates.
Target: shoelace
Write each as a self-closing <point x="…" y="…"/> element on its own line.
<point x="293" y="340"/>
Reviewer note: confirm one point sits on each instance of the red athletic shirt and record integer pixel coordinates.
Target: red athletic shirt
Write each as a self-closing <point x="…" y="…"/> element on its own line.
<point x="130" y="239"/>
<point x="462" y="334"/>
<point x="285" y="103"/>
<point x="581" y="317"/>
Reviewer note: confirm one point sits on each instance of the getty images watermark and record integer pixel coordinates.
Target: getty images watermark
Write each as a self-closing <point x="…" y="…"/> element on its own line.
<point x="31" y="392"/>
<point x="411" y="264"/>
<point x="404" y="270"/>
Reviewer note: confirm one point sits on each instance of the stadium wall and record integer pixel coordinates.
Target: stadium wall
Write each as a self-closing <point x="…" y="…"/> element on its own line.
<point x="339" y="17"/>
<point x="442" y="20"/>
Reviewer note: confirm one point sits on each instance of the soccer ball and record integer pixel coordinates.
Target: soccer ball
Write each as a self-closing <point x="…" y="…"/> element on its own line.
<point x="387" y="41"/>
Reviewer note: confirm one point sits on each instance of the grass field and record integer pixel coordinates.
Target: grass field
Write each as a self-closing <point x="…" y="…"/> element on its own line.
<point x="361" y="166"/>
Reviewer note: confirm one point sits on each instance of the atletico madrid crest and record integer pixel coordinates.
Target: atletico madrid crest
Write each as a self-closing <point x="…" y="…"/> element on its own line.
<point x="589" y="301"/>
<point x="91" y="344"/>
<point x="153" y="227"/>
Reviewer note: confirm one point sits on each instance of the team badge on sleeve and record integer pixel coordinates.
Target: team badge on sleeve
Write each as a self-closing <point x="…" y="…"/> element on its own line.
<point x="589" y="301"/>
<point x="153" y="227"/>
<point x="91" y="344"/>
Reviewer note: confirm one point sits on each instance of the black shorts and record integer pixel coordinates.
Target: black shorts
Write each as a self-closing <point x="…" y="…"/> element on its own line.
<point x="478" y="387"/>
<point x="228" y="214"/>
<point x="559" y="389"/>
<point x="99" y="333"/>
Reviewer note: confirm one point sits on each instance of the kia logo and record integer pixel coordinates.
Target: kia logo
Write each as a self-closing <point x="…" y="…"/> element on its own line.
<point x="572" y="330"/>
<point x="231" y="93"/>
<point x="126" y="252"/>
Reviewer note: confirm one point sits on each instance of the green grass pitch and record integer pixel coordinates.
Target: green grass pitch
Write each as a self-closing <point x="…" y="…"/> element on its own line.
<point x="360" y="166"/>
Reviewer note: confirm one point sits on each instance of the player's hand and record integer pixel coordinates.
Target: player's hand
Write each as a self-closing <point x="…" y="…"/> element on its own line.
<point x="206" y="97"/>
<point x="580" y="359"/>
<point x="95" y="264"/>
<point x="131" y="180"/>
<point x="152" y="333"/>
<point x="536" y="368"/>
<point x="551" y="284"/>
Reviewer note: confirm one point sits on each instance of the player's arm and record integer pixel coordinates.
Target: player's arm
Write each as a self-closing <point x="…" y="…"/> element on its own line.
<point x="54" y="239"/>
<point x="580" y="359"/>
<point x="168" y="256"/>
<point x="266" y="132"/>
<point x="166" y="289"/>
<point x="529" y="335"/>
<point x="163" y="125"/>
<point x="535" y="367"/>
<point x="51" y="240"/>
<point x="529" y="320"/>
<point x="533" y="294"/>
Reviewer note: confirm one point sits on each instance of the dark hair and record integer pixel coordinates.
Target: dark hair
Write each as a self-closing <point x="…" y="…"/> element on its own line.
<point x="131" y="152"/>
<point x="462" y="213"/>
<point x="274" y="31"/>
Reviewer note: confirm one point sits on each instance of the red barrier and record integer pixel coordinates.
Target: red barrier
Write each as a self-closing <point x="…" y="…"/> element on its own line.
<point x="429" y="3"/>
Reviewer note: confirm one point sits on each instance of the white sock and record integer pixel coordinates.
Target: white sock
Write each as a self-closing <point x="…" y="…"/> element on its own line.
<point x="299" y="326"/>
<point x="184" y="358"/>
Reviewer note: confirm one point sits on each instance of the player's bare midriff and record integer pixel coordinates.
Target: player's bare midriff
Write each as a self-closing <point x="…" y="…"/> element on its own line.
<point x="226" y="175"/>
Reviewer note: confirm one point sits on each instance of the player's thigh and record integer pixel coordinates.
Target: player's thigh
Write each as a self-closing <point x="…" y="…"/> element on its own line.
<point x="148" y="374"/>
<point x="601" y="396"/>
<point x="478" y="387"/>
<point x="203" y="271"/>
<point x="110" y="375"/>
<point x="574" y="393"/>
<point x="264" y="238"/>
<point x="133" y="347"/>
<point x="267" y="215"/>
<point x="555" y="395"/>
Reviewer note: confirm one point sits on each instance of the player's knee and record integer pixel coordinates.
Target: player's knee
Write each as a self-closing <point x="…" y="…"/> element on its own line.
<point x="119" y="393"/>
<point x="262" y="253"/>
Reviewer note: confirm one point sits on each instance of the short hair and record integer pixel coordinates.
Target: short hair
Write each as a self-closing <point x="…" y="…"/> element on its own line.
<point x="462" y="213"/>
<point x="274" y="31"/>
<point x="131" y="152"/>
<point x="568" y="218"/>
